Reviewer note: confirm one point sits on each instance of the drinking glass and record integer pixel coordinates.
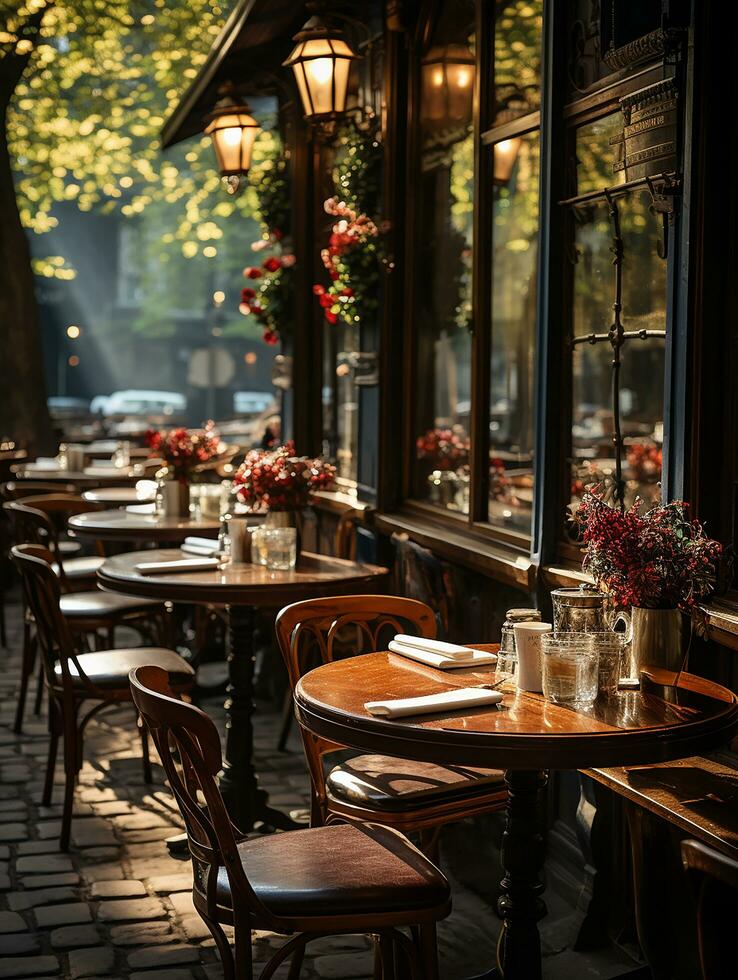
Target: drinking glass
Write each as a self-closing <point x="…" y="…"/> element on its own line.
<point x="210" y="501"/>
<point x="281" y="548"/>
<point x="570" y="668"/>
<point x="610" y="647"/>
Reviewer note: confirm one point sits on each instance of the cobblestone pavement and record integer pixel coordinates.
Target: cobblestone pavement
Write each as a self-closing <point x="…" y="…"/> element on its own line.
<point x="118" y="905"/>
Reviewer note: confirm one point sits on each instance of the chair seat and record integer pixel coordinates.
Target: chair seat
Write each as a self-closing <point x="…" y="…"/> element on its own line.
<point x="380" y="782"/>
<point x="109" y="669"/>
<point x="97" y="604"/>
<point x="84" y="566"/>
<point x="341" y="869"/>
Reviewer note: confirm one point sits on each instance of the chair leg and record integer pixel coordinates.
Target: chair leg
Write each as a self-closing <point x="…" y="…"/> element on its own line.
<point x="429" y="951"/>
<point x="296" y="963"/>
<point x="288" y="713"/>
<point x="145" y="757"/>
<point x="39" y="690"/>
<point x="387" y="953"/>
<point x="3" y="628"/>
<point x="224" y="948"/>
<point x="29" y="658"/>
<point x="242" y="944"/>
<point x="73" y="740"/>
<point x="50" y="768"/>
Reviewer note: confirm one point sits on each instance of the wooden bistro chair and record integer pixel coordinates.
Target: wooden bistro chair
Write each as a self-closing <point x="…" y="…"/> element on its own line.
<point x="346" y="878"/>
<point x="411" y="796"/>
<point x="88" y="609"/>
<point x="74" y="679"/>
<point x="714" y="878"/>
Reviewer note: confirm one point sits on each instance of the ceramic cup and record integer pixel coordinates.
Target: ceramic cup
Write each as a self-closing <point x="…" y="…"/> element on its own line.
<point x="528" y="647"/>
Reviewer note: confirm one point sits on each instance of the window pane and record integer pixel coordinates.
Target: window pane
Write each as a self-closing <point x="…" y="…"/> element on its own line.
<point x="517" y="70"/>
<point x="443" y="271"/>
<point x="340" y="397"/>
<point x="596" y="154"/>
<point x="514" y="265"/>
<point x="642" y="373"/>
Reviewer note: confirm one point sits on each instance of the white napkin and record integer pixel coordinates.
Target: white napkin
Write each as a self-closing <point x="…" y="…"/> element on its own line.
<point x="440" y="647"/>
<point x="178" y="565"/>
<point x="200" y="546"/>
<point x="43" y="463"/>
<point x="103" y="470"/>
<point x="146" y="489"/>
<point x="455" y="700"/>
<point x="473" y="658"/>
<point x="141" y="508"/>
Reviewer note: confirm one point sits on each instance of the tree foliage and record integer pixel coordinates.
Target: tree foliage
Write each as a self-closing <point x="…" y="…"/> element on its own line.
<point x="84" y="123"/>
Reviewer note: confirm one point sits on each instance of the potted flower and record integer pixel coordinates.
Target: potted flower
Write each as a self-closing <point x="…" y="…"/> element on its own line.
<point x="280" y="483"/>
<point x="658" y="563"/>
<point x="183" y="450"/>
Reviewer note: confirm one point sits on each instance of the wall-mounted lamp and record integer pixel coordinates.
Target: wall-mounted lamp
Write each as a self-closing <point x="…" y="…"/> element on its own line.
<point x="448" y="84"/>
<point x="233" y="130"/>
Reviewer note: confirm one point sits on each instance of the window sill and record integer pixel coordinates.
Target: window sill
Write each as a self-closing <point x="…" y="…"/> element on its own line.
<point x="338" y="502"/>
<point x="722" y="620"/>
<point x="463" y="547"/>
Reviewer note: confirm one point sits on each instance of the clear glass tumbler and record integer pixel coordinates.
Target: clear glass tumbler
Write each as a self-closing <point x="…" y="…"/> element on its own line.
<point x="610" y="648"/>
<point x="281" y="548"/>
<point x="570" y="668"/>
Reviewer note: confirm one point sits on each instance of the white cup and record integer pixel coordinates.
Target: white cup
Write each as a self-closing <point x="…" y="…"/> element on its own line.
<point x="528" y="648"/>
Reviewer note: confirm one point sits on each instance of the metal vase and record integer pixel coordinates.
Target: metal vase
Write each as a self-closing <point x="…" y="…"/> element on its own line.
<point x="656" y="639"/>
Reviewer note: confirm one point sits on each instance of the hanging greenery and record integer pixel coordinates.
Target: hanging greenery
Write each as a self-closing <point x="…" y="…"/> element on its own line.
<point x="351" y="258"/>
<point x="269" y="294"/>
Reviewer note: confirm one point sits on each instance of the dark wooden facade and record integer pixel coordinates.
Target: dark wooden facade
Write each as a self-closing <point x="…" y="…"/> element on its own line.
<point x="596" y="61"/>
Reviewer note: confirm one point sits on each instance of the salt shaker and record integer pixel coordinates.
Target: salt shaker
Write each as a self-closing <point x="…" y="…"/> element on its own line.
<point x="507" y="659"/>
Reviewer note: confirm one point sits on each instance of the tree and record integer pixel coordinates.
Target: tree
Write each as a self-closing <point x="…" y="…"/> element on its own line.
<point x="85" y="86"/>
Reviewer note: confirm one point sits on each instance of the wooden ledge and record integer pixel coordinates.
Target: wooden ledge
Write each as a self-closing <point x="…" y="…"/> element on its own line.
<point x="465" y="548"/>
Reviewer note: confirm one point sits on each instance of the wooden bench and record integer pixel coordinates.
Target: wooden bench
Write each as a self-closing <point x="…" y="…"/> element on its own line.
<point x="697" y="795"/>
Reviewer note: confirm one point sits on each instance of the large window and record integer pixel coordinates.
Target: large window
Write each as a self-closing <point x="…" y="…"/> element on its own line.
<point x="471" y="275"/>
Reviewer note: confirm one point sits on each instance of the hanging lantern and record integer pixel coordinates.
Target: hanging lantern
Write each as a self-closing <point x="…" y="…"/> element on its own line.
<point x="233" y="130"/>
<point x="448" y="84"/>
<point x="505" y="157"/>
<point x="321" y="61"/>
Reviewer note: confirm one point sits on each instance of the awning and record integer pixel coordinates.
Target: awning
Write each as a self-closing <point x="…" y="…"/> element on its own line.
<point x="254" y="42"/>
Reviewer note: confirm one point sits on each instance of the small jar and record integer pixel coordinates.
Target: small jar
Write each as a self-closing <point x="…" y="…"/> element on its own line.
<point x="507" y="658"/>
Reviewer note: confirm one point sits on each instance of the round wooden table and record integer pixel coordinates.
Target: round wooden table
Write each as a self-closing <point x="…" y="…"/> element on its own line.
<point x="127" y="477"/>
<point x="526" y="736"/>
<point x="125" y="525"/>
<point x="116" y="496"/>
<point x="242" y="589"/>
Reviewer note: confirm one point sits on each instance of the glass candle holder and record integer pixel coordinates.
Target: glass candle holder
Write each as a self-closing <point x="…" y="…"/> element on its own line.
<point x="610" y="648"/>
<point x="281" y="548"/>
<point x="570" y="668"/>
<point x="210" y="501"/>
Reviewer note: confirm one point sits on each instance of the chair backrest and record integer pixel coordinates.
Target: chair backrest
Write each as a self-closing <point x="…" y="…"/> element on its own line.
<point x="189" y="748"/>
<point x="318" y="631"/>
<point x="42" y="593"/>
<point x="16" y="490"/>
<point x="715" y="881"/>
<point x="43" y="520"/>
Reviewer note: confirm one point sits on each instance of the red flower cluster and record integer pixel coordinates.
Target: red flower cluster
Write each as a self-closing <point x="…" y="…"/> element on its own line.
<point x="656" y="560"/>
<point x="445" y="448"/>
<point x="279" y="480"/>
<point x="348" y="232"/>
<point x="184" y="449"/>
<point x="263" y="304"/>
<point x="645" y="459"/>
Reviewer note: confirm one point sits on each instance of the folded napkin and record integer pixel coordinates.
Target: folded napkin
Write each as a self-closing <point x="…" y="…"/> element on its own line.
<point x="200" y="546"/>
<point x="146" y="489"/>
<point x="178" y="565"/>
<point x="104" y="470"/>
<point x="43" y="463"/>
<point x="455" y="700"/>
<point x="472" y="658"/>
<point x="141" y="508"/>
<point x="440" y="647"/>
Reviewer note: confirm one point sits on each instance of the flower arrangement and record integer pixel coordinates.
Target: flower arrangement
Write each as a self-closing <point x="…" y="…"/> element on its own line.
<point x="184" y="449"/>
<point x="351" y="257"/>
<point x="351" y="231"/>
<point x="277" y="480"/>
<point x="267" y="296"/>
<point x="656" y="560"/>
<point x="445" y="448"/>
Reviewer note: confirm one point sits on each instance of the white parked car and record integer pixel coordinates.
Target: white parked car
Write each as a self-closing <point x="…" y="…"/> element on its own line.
<point x="135" y="401"/>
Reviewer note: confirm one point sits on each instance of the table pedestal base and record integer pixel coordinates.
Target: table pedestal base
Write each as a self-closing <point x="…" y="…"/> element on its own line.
<point x="246" y="803"/>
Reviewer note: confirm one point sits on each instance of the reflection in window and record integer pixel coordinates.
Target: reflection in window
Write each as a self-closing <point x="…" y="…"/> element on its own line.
<point x="443" y="272"/>
<point x="514" y="264"/>
<point x="596" y="154"/>
<point x="340" y="398"/>
<point x="642" y="372"/>
<point x="517" y="71"/>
